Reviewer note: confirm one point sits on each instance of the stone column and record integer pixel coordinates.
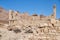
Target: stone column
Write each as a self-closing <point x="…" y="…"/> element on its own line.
<point x="10" y="17"/>
<point x="54" y="11"/>
<point x="11" y="20"/>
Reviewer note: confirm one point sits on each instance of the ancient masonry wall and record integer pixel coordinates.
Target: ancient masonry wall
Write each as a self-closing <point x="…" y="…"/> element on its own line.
<point x="45" y="28"/>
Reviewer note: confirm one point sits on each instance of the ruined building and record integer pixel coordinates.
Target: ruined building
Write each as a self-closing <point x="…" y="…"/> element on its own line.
<point x="25" y="27"/>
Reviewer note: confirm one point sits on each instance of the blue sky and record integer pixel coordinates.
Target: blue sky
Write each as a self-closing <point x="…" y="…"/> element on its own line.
<point x="32" y="6"/>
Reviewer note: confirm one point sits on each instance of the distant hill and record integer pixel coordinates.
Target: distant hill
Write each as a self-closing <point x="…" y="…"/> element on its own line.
<point x="3" y="15"/>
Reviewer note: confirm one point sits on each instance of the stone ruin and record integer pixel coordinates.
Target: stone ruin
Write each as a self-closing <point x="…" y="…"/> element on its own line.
<point x="25" y="27"/>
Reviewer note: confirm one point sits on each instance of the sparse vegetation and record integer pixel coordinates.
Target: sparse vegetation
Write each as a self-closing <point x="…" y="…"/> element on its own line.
<point x="17" y="30"/>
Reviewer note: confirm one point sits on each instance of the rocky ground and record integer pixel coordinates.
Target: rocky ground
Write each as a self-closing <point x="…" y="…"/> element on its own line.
<point x="28" y="33"/>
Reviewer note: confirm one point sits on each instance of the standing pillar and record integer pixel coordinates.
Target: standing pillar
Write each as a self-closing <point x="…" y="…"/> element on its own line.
<point x="11" y="20"/>
<point x="54" y="11"/>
